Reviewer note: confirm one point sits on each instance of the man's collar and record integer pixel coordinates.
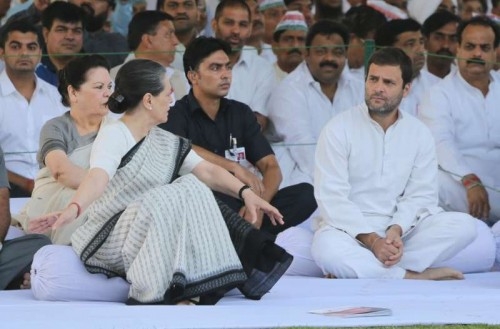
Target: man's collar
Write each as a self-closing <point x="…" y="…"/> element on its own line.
<point x="194" y="106"/>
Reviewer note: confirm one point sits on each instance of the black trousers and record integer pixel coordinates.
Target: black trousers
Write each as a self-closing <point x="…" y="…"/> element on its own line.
<point x="296" y="203"/>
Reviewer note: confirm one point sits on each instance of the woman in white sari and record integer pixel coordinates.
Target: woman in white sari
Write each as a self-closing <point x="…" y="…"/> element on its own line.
<point x="66" y="141"/>
<point x="167" y="236"/>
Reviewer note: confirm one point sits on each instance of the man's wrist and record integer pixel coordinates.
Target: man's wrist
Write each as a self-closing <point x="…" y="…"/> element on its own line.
<point x="395" y="227"/>
<point x="471" y="181"/>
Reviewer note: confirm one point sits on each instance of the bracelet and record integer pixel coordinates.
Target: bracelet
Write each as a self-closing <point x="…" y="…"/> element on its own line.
<point x="471" y="181"/>
<point x="240" y="192"/>
<point x="78" y="208"/>
<point x="373" y="243"/>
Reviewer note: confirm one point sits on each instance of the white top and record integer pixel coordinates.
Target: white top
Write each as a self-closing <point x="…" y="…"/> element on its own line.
<point x="21" y="123"/>
<point x="299" y="110"/>
<point x="465" y="126"/>
<point x="114" y="141"/>
<point x="253" y="80"/>
<point x="267" y="53"/>
<point x="419" y="85"/>
<point x="178" y="62"/>
<point x="366" y="180"/>
<point x="279" y="73"/>
<point x="389" y="11"/>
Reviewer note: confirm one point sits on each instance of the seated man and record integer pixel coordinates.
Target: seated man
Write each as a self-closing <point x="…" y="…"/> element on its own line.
<point x="375" y="184"/>
<point x="26" y="103"/>
<point x="16" y="255"/>
<point x="226" y="133"/>
<point x="461" y="112"/>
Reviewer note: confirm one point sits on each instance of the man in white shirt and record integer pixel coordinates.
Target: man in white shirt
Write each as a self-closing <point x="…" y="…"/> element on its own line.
<point x="26" y="103"/>
<point x="441" y="42"/>
<point x="289" y="41"/>
<point x="253" y="76"/>
<point x="151" y="35"/>
<point x="462" y="113"/>
<point x="405" y="34"/>
<point x="375" y="183"/>
<point x="319" y="88"/>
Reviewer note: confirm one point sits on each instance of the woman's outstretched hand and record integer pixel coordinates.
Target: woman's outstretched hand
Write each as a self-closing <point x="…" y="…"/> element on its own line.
<point x="255" y="207"/>
<point x="53" y="220"/>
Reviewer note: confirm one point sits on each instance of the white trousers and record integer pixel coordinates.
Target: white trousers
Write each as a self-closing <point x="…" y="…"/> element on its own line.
<point x="57" y="274"/>
<point x="453" y="196"/>
<point x="433" y="240"/>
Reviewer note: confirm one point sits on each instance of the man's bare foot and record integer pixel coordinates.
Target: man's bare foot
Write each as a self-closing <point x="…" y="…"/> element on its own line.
<point x="438" y="273"/>
<point x="26" y="281"/>
<point x="330" y="276"/>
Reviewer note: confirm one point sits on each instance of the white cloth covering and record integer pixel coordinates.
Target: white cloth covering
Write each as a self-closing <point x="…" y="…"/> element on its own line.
<point x="253" y="80"/>
<point x="21" y="122"/>
<point x="465" y="127"/>
<point x="367" y="180"/>
<point x="299" y="109"/>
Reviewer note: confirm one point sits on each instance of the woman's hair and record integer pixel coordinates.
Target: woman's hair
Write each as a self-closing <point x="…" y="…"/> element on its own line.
<point x="75" y="73"/>
<point x="135" y="79"/>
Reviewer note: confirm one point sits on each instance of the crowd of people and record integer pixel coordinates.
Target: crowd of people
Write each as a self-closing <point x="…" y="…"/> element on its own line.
<point x="205" y="146"/>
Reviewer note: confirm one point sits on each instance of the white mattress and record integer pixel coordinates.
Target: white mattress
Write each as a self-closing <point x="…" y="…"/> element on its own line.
<point x="471" y="301"/>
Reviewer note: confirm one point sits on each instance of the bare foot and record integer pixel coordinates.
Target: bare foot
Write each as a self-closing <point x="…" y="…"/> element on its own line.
<point x="330" y="276"/>
<point x="191" y="302"/>
<point x="438" y="273"/>
<point x="26" y="281"/>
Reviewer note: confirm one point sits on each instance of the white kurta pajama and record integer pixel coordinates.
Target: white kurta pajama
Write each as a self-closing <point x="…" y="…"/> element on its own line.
<point x="464" y="123"/>
<point x="299" y="110"/>
<point x="366" y="180"/>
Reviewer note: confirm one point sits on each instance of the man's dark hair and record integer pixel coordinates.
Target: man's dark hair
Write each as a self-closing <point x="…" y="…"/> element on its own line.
<point x="483" y="4"/>
<point x="387" y="34"/>
<point x="393" y="56"/>
<point x="437" y="20"/>
<point x="362" y="20"/>
<point x="145" y="22"/>
<point x="479" y="21"/>
<point x="63" y="11"/>
<point x="232" y="4"/>
<point x="327" y="28"/>
<point x="199" y="49"/>
<point x="21" y="25"/>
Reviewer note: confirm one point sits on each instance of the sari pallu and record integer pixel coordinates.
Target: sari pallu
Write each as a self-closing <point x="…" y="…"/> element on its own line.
<point x="169" y="238"/>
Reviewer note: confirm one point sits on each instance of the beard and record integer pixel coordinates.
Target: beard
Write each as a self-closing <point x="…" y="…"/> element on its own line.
<point x="390" y="105"/>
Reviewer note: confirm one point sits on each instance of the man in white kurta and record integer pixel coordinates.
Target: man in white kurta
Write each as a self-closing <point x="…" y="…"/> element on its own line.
<point x="319" y="88"/>
<point x="26" y="103"/>
<point x="376" y="187"/>
<point x="462" y="113"/>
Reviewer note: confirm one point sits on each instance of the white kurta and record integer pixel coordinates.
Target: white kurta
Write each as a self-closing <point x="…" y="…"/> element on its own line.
<point x="465" y="127"/>
<point x="419" y="85"/>
<point x="253" y="80"/>
<point x="366" y="180"/>
<point x="21" y="122"/>
<point x="299" y="109"/>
